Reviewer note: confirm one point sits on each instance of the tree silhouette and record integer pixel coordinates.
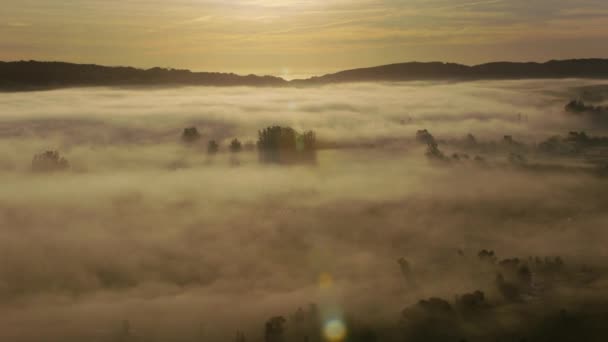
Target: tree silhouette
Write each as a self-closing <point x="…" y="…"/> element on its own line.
<point x="472" y="302"/>
<point x="278" y="144"/>
<point x="433" y="152"/>
<point x="190" y="135"/>
<point x="426" y="137"/>
<point x="307" y="141"/>
<point x="213" y="147"/>
<point x="236" y="146"/>
<point x="49" y="161"/>
<point x="407" y="273"/>
<point x="274" y="330"/>
<point x="277" y="138"/>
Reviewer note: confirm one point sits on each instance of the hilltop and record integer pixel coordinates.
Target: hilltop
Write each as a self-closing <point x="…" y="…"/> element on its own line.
<point x="33" y="75"/>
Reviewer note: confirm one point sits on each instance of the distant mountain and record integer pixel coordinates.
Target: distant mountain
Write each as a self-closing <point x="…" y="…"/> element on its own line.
<point x="31" y="75"/>
<point x="574" y="68"/>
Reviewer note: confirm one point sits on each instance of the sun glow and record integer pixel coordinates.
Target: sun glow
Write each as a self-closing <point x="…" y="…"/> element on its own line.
<point x="334" y="330"/>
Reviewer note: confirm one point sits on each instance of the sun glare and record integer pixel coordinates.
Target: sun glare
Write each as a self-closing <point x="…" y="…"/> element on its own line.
<point x="335" y="330"/>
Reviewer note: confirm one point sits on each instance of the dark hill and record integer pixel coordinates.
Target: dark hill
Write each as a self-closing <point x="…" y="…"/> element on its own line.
<point x="576" y="68"/>
<point x="30" y="75"/>
<point x="26" y="75"/>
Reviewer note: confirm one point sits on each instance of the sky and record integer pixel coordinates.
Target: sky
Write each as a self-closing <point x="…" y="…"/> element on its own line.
<point x="293" y="38"/>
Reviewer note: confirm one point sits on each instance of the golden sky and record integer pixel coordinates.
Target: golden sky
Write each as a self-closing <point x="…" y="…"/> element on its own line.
<point x="300" y="37"/>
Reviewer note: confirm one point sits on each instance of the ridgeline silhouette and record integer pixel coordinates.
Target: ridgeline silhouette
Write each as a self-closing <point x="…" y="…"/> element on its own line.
<point x="33" y="75"/>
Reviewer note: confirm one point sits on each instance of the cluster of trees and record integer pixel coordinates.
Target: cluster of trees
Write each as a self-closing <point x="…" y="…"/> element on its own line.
<point x="434" y="153"/>
<point x="517" y="153"/>
<point x="191" y="135"/>
<point x="275" y="144"/>
<point x="286" y="138"/>
<point x="480" y="315"/>
<point x="517" y="279"/>
<point x="278" y="144"/>
<point x="49" y="161"/>
<point x="573" y="143"/>
<point x="303" y="325"/>
<point x="580" y="107"/>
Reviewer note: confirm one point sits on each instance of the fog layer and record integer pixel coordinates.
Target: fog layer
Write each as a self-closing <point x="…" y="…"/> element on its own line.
<point x="191" y="247"/>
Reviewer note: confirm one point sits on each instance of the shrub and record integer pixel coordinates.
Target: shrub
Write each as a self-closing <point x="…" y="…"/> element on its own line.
<point x="190" y="135"/>
<point x="235" y="146"/>
<point x="49" y="161"/>
<point x="213" y="147"/>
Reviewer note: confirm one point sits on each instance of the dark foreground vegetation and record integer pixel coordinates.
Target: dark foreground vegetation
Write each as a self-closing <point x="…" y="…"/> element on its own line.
<point x="522" y="299"/>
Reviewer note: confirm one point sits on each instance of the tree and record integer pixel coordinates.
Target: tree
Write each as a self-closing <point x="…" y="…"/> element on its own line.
<point x="190" y="135"/>
<point x="426" y="137"/>
<point x="274" y="330"/>
<point x="278" y="144"/>
<point x="433" y="153"/>
<point x="49" y="161"/>
<point x="307" y="141"/>
<point x="471" y="302"/>
<point x="407" y="273"/>
<point x="277" y="138"/>
<point x="236" y="146"/>
<point x="580" y="107"/>
<point x="213" y="147"/>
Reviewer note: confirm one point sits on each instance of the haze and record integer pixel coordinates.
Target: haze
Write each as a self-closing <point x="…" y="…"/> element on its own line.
<point x="185" y="246"/>
<point x="293" y="38"/>
<point x="303" y="171"/>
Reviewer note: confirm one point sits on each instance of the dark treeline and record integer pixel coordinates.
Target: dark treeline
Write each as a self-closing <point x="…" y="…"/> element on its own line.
<point x="525" y="287"/>
<point x="519" y="300"/>
<point x="284" y="145"/>
<point x="26" y="75"/>
<point x="572" y="144"/>
<point x="276" y="144"/>
<point x="579" y="68"/>
<point x="579" y="107"/>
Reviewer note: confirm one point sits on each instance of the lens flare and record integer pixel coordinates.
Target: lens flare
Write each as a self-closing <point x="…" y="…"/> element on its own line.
<point x="325" y="281"/>
<point x="334" y="330"/>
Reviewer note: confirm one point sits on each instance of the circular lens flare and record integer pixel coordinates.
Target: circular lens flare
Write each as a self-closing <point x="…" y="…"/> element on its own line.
<point x="334" y="330"/>
<point x="325" y="281"/>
